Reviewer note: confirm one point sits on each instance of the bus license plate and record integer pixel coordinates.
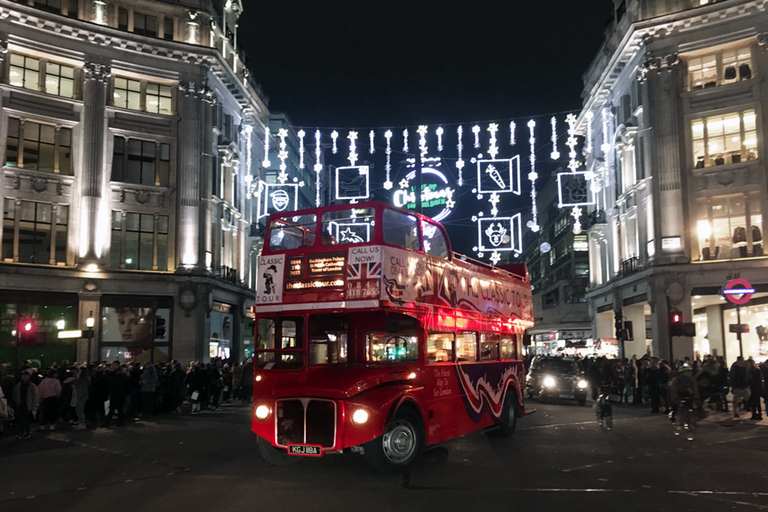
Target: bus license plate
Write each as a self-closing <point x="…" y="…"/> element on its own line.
<point x="305" y="450"/>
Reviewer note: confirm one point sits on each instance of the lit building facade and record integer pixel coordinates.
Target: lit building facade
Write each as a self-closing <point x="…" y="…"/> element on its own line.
<point x="675" y="114"/>
<point x="131" y="135"/>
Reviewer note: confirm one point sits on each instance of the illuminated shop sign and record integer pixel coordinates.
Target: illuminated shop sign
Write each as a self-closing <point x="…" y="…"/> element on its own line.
<point x="314" y="284"/>
<point x="326" y="264"/>
<point x="295" y="266"/>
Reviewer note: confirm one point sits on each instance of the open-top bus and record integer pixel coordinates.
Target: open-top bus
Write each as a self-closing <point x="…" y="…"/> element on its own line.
<point x="373" y="336"/>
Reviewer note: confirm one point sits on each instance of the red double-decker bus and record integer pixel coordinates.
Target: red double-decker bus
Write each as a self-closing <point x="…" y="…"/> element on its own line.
<point x="373" y="336"/>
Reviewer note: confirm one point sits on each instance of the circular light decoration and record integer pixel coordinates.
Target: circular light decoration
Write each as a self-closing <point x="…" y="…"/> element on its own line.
<point x="545" y="248"/>
<point x="436" y="193"/>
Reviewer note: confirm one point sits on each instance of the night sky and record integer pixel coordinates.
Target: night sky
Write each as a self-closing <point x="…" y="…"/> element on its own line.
<point x="362" y="64"/>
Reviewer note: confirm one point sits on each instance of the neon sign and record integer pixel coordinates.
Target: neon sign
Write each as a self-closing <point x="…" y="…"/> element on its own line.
<point x="436" y="193"/>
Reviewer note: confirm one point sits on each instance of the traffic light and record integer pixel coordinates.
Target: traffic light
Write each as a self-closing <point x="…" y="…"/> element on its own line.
<point x="160" y="329"/>
<point x="675" y="322"/>
<point x="27" y="332"/>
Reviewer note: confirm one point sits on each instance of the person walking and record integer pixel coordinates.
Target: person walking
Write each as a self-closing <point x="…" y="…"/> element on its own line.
<point x="737" y="377"/>
<point x="149" y="381"/>
<point x="117" y="383"/>
<point x="80" y="395"/>
<point x="26" y="400"/>
<point x="49" y="393"/>
<point x="756" y="389"/>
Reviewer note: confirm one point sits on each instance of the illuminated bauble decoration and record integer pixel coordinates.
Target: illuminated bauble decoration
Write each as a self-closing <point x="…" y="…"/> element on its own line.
<point x="436" y="195"/>
<point x="545" y="248"/>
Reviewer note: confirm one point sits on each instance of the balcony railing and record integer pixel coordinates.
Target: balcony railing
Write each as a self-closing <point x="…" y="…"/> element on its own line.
<point x="227" y="274"/>
<point x="629" y="266"/>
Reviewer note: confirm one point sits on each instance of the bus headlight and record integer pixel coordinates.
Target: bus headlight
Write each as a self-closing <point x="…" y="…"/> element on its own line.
<point x="582" y="384"/>
<point x="549" y="381"/>
<point x="262" y="412"/>
<point x="360" y="417"/>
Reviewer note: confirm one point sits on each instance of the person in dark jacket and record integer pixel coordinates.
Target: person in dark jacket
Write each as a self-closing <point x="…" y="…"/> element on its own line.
<point x="737" y="377"/>
<point x="756" y="387"/>
<point x="117" y="381"/>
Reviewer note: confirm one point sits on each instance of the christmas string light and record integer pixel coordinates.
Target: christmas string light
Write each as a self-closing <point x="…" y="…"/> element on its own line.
<point x="439" y="133"/>
<point x="460" y="161"/>
<point x="493" y="150"/>
<point x="573" y="165"/>
<point x="388" y="166"/>
<point x="555" y="153"/>
<point x="249" y="160"/>
<point x="301" y="135"/>
<point x="532" y="176"/>
<point x="266" y="163"/>
<point x="282" y="133"/>
<point x="512" y="127"/>
<point x="476" y="131"/>
<point x="318" y="149"/>
<point x="405" y="140"/>
<point x="422" y="131"/>
<point x="318" y="167"/>
<point x="589" y="117"/>
<point x="352" y="147"/>
<point x="371" y="148"/>
<point x="335" y="136"/>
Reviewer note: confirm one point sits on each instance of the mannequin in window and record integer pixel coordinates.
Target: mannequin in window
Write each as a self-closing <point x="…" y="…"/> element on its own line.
<point x="739" y="242"/>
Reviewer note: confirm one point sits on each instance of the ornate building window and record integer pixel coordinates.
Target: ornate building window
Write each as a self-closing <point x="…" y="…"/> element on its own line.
<point x="142" y="162"/>
<point x="25" y="71"/>
<point x="139" y="241"/>
<point x="730" y="227"/>
<point x="144" y="24"/>
<point x="719" y="68"/>
<point x="34" y="232"/>
<point x="143" y="96"/>
<point x="724" y="139"/>
<point x="41" y="147"/>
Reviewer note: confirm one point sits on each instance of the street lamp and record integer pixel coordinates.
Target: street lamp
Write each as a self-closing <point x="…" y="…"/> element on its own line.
<point x="90" y="322"/>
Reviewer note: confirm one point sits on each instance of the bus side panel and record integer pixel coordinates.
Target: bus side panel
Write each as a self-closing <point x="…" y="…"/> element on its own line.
<point x="484" y="387"/>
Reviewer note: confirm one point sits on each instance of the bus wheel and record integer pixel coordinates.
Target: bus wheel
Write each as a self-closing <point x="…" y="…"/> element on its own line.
<point x="508" y="421"/>
<point x="273" y="455"/>
<point x="399" y="447"/>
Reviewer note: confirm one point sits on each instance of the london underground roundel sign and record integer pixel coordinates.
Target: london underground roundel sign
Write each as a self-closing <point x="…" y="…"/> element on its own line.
<point x="738" y="291"/>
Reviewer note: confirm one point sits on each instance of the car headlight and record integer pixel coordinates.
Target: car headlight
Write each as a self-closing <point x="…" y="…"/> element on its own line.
<point x="261" y="412"/>
<point x="549" y="381"/>
<point x="360" y="417"/>
<point x="582" y="384"/>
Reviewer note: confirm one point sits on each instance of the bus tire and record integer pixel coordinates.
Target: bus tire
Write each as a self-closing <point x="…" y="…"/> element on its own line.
<point x="400" y="446"/>
<point x="508" y="420"/>
<point x="273" y="455"/>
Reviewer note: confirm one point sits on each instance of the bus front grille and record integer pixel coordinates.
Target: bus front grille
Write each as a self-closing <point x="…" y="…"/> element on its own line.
<point x="306" y="421"/>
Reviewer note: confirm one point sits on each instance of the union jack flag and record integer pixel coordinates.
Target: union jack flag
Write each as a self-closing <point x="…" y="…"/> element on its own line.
<point x="364" y="270"/>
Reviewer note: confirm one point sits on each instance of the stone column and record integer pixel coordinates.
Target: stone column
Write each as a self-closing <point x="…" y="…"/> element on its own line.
<point x="92" y="170"/>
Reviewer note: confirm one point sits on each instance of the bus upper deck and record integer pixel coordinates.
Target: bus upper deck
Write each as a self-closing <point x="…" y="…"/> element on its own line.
<point x="372" y="254"/>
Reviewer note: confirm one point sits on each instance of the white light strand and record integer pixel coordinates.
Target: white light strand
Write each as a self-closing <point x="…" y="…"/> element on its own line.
<point x="439" y="132"/>
<point x="318" y="149"/>
<point x="301" y="135"/>
<point x="266" y="162"/>
<point x="422" y="131"/>
<point x="460" y="161"/>
<point x="371" y="148"/>
<point x="476" y="131"/>
<point x="405" y="140"/>
<point x="532" y="176"/>
<point x="606" y="146"/>
<point x="249" y="160"/>
<point x="512" y="127"/>
<point x="388" y="166"/>
<point x="493" y="150"/>
<point x="282" y="177"/>
<point x="335" y="136"/>
<point x="573" y="164"/>
<point x="555" y="153"/>
<point x="576" y="214"/>
<point x="589" y="117"/>
<point x="352" y="148"/>
<point x="318" y="167"/>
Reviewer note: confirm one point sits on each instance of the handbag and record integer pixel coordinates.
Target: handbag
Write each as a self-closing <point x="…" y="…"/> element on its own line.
<point x="194" y="395"/>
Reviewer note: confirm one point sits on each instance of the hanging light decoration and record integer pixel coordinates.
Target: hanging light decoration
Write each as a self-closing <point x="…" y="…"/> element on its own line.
<point x="555" y="153"/>
<point x="493" y="150"/>
<point x="334" y="137"/>
<point x="301" y="134"/>
<point x="388" y="166"/>
<point x="533" y="176"/>
<point x="352" y="147"/>
<point x="512" y="127"/>
<point x="371" y="147"/>
<point x="460" y="161"/>
<point x="439" y="132"/>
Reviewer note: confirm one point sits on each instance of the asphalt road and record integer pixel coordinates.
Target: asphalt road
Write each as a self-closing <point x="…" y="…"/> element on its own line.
<point x="559" y="459"/>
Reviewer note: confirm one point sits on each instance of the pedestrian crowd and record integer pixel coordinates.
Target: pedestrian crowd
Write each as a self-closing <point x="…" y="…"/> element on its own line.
<point x="81" y="396"/>
<point x="648" y="381"/>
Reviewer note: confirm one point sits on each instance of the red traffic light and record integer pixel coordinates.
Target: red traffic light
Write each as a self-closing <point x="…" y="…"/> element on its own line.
<point x="677" y="318"/>
<point x="27" y="326"/>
